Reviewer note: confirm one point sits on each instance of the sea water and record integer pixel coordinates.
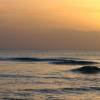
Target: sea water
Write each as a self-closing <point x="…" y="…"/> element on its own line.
<point x="32" y="75"/>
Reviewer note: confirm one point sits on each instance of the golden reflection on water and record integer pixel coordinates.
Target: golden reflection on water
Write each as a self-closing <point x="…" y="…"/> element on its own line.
<point x="39" y="76"/>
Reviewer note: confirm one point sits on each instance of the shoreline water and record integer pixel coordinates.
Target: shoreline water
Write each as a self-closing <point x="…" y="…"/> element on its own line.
<point x="22" y="80"/>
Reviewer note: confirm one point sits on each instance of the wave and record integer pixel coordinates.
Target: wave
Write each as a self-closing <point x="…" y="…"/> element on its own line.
<point x="73" y="62"/>
<point x="87" y="70"/>
<point x="23" y="94"/>
<point x="64" y="90"/>
<point x="14" y="76"/>
<point x="9" y="75"/>
<point x="58" y="61"/>
<point x="29" y="59"/>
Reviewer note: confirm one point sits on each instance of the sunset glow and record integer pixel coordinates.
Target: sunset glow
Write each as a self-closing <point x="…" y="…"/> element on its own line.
<point x="35" y="17"/>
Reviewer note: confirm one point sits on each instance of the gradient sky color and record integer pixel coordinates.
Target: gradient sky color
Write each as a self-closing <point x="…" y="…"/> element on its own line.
<point x="50" y="24"/>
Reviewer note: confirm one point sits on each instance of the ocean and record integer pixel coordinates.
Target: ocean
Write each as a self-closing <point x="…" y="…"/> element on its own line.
<point x="48" y="75"/>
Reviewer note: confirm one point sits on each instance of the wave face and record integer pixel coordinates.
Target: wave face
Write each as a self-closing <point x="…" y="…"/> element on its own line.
<point x="87" y="70"/>
<point x="48" y="75"/>
<point x="57" y="61"/>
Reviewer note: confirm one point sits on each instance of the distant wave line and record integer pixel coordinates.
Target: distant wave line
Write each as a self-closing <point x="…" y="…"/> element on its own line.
<point x="58" y="61"/>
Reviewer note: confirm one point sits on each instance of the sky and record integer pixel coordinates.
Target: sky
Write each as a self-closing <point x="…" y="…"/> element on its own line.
<point x="50" y="24"/>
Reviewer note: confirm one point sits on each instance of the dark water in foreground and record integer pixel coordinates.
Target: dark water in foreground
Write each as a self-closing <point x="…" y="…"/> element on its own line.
<point x="33" y="75"/>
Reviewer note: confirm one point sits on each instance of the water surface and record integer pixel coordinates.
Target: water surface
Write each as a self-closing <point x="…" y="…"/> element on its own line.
<point x="31" y="75"/>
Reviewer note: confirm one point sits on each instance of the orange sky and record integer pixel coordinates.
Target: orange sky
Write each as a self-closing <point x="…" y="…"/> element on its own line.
<point x="50" y="24"/>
